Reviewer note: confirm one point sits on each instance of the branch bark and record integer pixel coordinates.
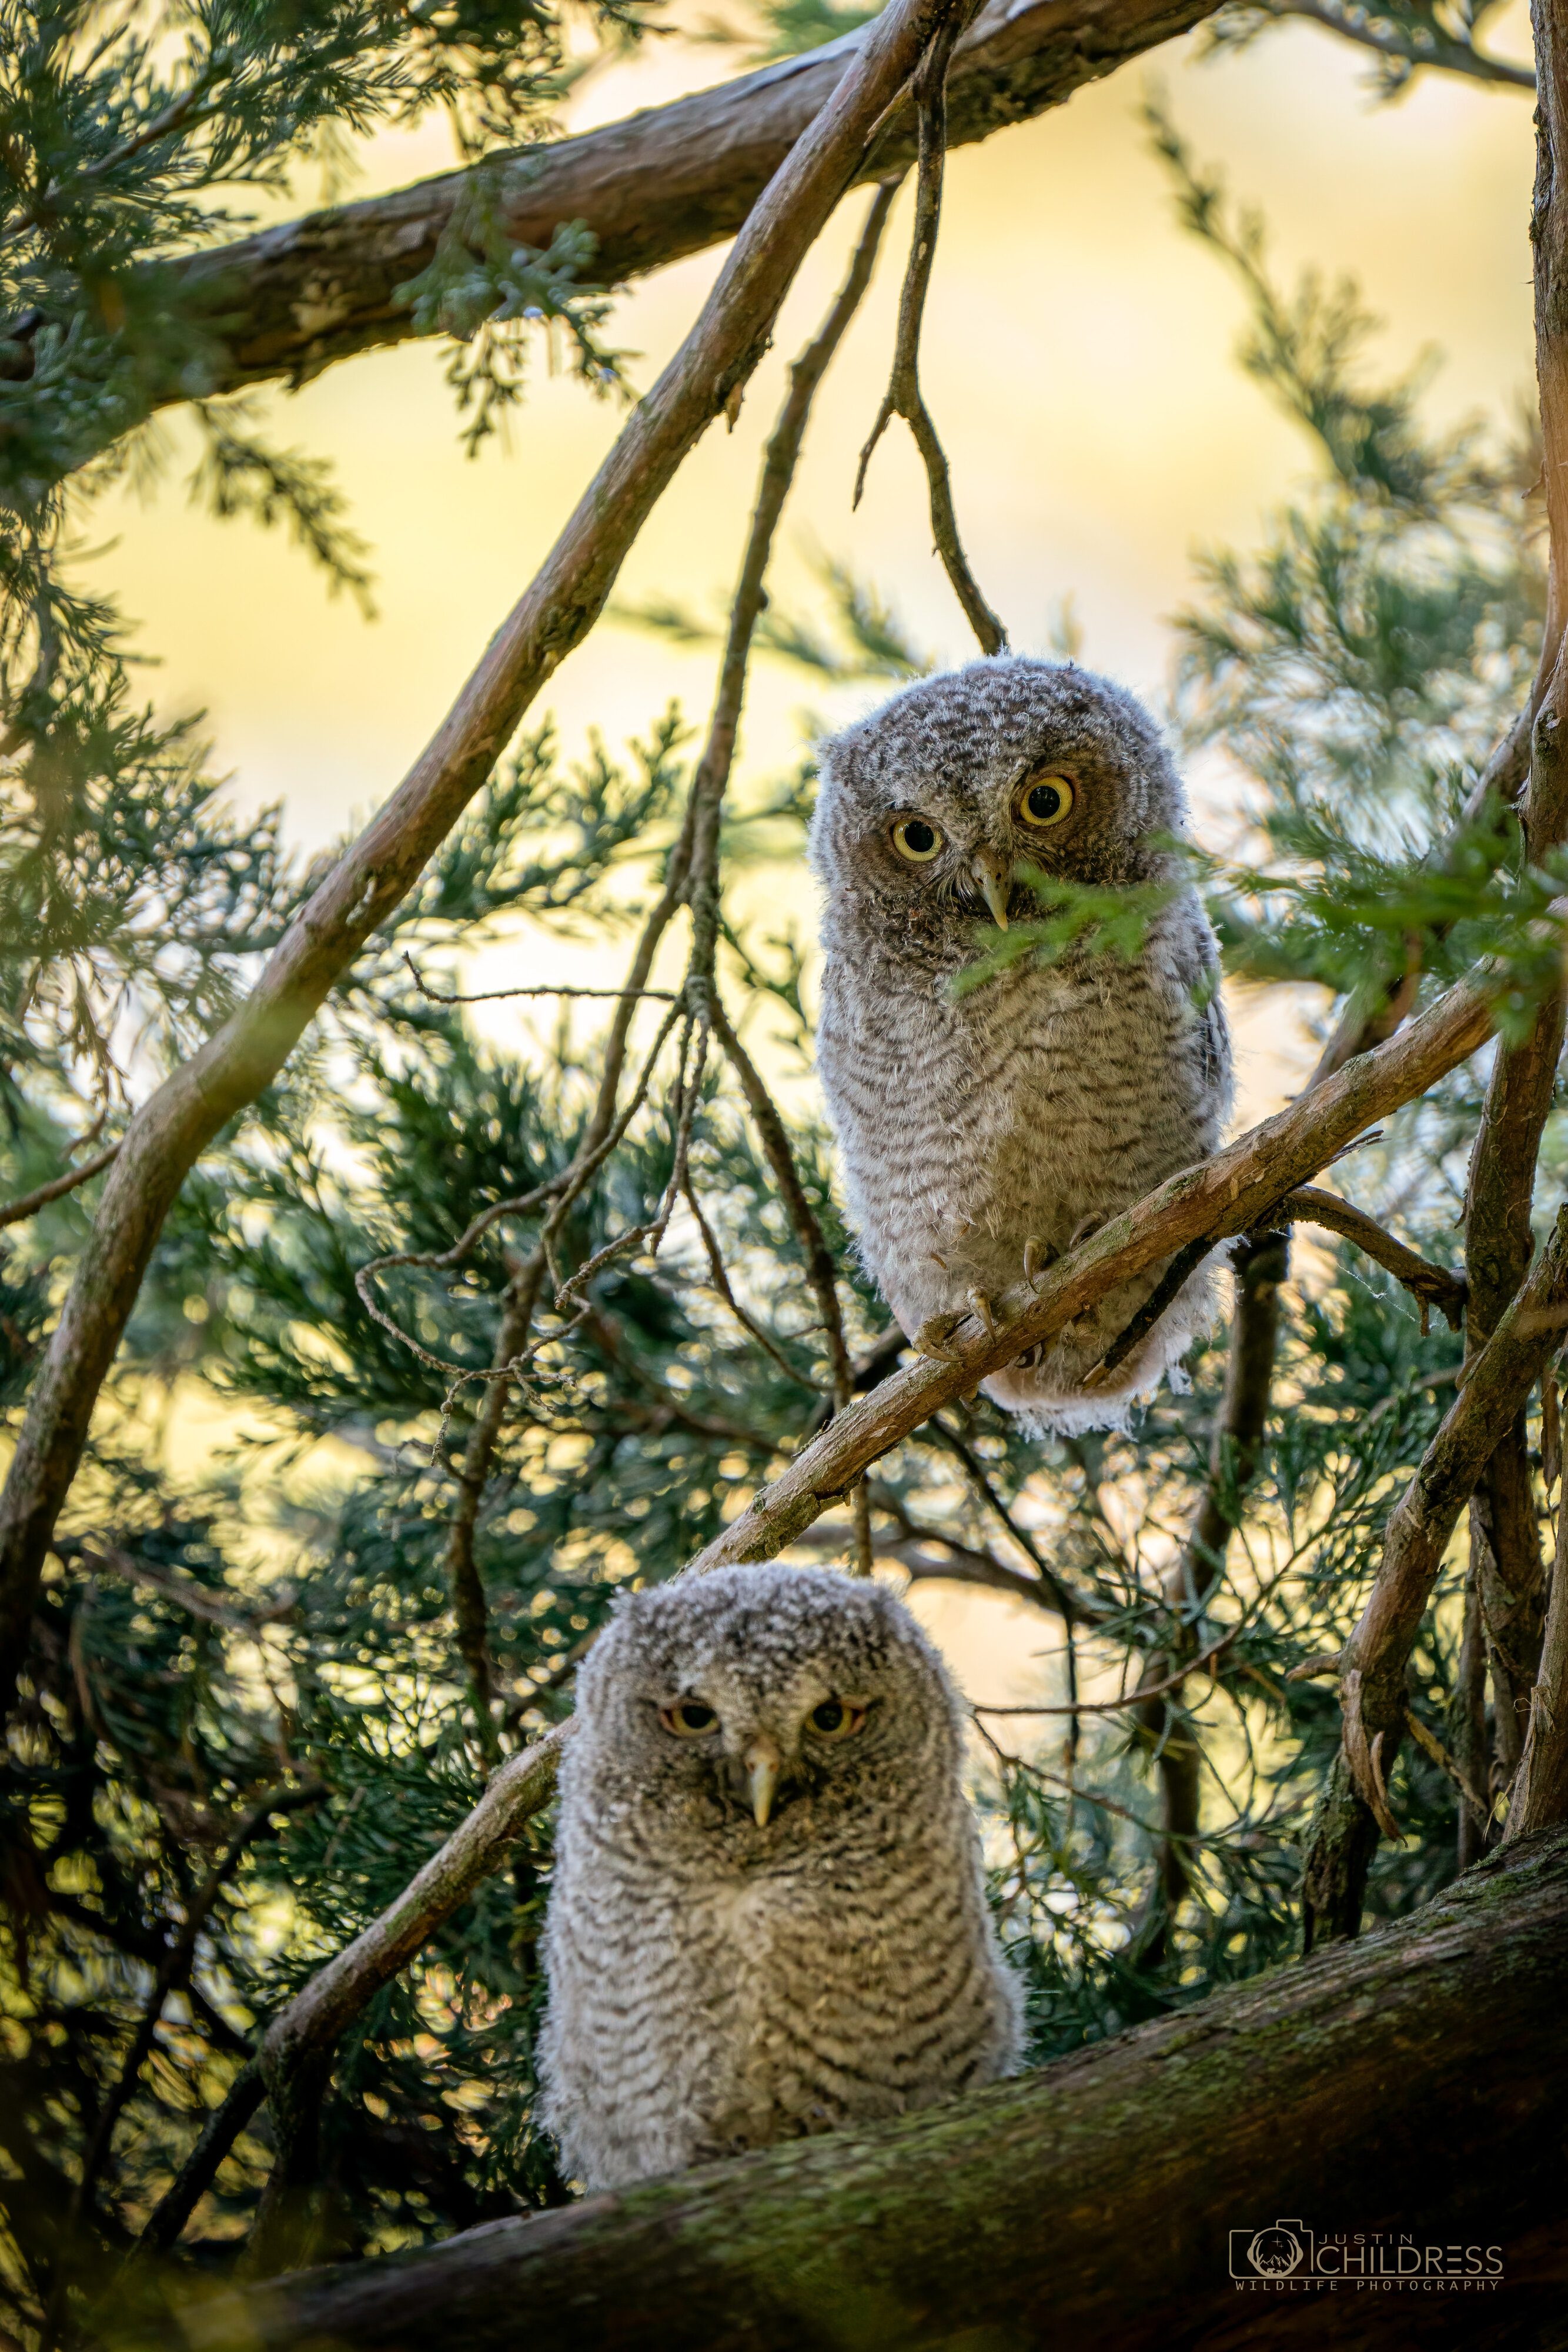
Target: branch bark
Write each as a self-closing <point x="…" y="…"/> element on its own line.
<point x="1072" y="2209"/>
<point x="164" y="1139"/>
<point x="670" y="180"/>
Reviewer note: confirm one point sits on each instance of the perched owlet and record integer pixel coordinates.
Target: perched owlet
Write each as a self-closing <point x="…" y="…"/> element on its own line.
<point x="766" y="1916"/>
<point x="983" y="1133"/>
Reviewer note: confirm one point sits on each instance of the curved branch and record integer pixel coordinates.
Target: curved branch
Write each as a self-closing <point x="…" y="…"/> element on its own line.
<point x="670" y="180"/>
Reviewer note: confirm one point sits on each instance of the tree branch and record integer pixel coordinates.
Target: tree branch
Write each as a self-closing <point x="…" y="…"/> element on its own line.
<point x="1430" y="1286"/>
<point x="1227" y="1194"/>
<point x="1505" y="1571"/>
<point x="1260" y="1265"/>
<point x="296" y="2053"/>
<point x="164" y="1138"/>
<point x="1374" y="2052"/>
<point x="904" y="396"/>
<point x="12" y="1212"/>
<point x="670" y="180"/>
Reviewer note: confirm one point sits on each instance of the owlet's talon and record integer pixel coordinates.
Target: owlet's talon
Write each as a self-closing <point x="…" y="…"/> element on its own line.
<point x="1084" y="1227"/>
<point x="933" y="1334"/>
<point x="980" y="1306"/>
<point x="1036" y="1256"/>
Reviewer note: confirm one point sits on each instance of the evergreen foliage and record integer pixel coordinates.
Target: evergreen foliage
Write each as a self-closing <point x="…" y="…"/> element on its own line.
<point x="250" y="1719"/>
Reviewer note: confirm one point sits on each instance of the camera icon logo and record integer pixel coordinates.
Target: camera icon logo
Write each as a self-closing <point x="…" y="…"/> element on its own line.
<point x="1284" y="2249"/>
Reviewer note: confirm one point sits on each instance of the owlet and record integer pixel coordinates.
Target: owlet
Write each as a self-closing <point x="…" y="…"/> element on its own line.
<point x="978" y="1130"/>
<point x="766" y="1916"/>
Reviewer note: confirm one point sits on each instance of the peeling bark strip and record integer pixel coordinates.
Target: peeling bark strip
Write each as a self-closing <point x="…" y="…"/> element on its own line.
<point x="1228" y="1194"/>
<point x="554" y="614"/>
<point x="663" y="183"/>
<point x="1416" y="2080"/>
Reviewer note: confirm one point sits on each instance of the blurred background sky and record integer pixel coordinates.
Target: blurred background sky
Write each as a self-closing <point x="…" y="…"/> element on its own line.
<point x="1078" y="357"/>
<point x="1079" y="360"/>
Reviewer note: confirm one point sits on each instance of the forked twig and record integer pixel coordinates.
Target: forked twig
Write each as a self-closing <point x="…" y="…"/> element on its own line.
<point x="904" y="396"/>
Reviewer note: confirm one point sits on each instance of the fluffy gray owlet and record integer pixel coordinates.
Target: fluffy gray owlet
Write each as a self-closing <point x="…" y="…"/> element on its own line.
<point x="766" y="1916"/>
<point x="1039" y="1104"/>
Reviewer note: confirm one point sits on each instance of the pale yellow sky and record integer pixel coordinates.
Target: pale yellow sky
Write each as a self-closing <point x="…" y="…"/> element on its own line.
<point x="1078" y="359"/>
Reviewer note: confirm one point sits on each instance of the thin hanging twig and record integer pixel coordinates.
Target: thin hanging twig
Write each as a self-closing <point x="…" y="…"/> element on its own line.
<point x="904" y="396"/>
<point x="720" y="1272"/>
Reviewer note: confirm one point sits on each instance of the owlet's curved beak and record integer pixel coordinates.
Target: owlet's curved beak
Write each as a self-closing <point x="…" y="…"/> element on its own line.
<point x="763" y="1764"/>
<point x="994" y="878"/>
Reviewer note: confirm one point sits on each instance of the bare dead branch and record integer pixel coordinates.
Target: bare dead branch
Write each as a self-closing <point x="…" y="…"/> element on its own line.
<point x="719" y="1274"/>
<point x="1372" y="1681"/>
<point x="1165" y="1294"/>
<point x="196" y="2175"/>
<point x="1505" y="1547"/>
<point x="1136" y="1698"/>
<point x="711" y="778"/>
<point x="820" y="1272"/>
<point x="498" y="995"/>
<point x="1430" y="1286"/>
<point x="904" y="396"/>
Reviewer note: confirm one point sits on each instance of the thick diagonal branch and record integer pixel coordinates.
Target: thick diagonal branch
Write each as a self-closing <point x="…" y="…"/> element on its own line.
<point x="162" y="1141"/>
<point x="1415" y="2079"/>
<point x="1230" y="1194"/>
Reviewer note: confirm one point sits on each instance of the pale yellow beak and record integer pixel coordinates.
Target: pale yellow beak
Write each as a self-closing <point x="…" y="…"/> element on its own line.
<point x="763" y="1763"/>
<point x="994" y="879"/>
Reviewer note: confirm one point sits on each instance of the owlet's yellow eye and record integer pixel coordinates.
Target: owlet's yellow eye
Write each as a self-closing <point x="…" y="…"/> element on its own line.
<point x="836" y="1718"/>
<point x="916" y="838"/>
<point x="1041" y="802"/>
<point x="689" y="1719"/>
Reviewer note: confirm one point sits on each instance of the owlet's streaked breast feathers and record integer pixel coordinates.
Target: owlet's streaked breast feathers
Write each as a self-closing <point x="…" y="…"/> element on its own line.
<point x="1034" y="1107"/>
<point x="768" y="1917"/>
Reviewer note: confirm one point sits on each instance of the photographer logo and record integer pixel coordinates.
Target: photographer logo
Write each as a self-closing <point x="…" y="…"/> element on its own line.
<point x="1284" y="2257"/>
